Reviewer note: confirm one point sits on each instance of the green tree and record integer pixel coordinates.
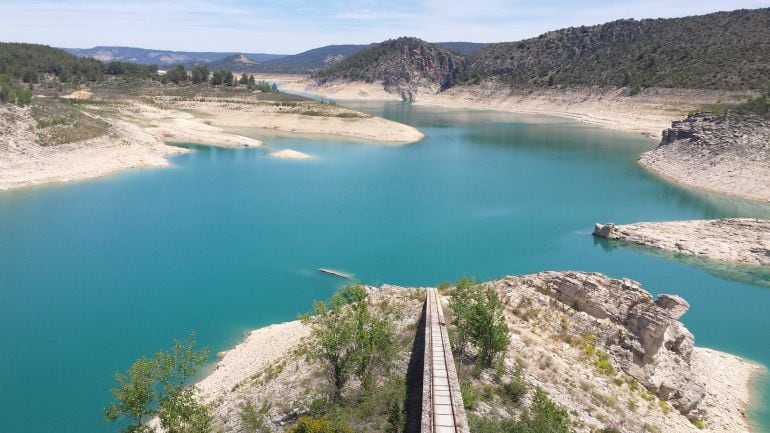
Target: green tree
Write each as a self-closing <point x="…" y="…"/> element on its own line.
<point x="374" y="342"/>
<point x="134" y="394"/>
<point x="460" y="303"/>
<point x="334" y="329"/>
<point x="545" y="416"/>
<point x="178" y="75"/>
<point x="160" y="386"/>
<point x="478" y="319"/>
<point x="351" y="339"/>
<point x="489" y="328"/>
<point x="200" y="74"/>
<point x="217" y="78"/>
<point x="228" y="78"/>
<point x="244" y="80"/>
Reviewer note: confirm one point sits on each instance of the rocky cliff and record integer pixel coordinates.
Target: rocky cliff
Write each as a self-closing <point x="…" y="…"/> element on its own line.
<point x="609" y="352"/>
<point x="727" y="153"/>
<point x="405" y="66"/>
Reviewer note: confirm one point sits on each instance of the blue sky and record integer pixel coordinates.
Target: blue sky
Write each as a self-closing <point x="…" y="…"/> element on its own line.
<point x="291" y="26"/>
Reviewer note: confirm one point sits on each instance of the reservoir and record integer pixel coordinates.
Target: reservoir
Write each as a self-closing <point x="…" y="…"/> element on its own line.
<point x="94" y="274"/>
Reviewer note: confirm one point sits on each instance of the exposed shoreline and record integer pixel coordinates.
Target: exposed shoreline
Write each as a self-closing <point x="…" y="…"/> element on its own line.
<point x="648" y="113"/>
<point x="723" y="154"/>
<point x="735" y="240"/>
<point x="139" y="133"/>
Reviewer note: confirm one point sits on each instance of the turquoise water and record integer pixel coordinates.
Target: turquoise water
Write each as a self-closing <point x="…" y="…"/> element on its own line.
<point x="95" y="273"/>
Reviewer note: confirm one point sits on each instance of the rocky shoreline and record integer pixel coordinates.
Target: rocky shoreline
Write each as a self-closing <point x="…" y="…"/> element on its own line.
<point x="737" y="240"/>
<point x="604" y="349"/>
<point x="725" y="154"/>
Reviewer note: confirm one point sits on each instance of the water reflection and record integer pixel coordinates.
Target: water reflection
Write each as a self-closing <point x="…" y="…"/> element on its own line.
<point x="757" y="275"/>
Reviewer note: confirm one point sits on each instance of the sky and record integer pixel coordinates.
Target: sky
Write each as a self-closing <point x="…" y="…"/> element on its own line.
<point x="292" y="26"/>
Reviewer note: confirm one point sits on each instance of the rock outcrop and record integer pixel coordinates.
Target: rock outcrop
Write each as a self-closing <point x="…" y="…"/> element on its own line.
<point x="404" y="66"/>
<point x="603" y="349"/>
<point x="740" y="240"/>
<point x="642" y="334"/>
<point x="727" y="154"/>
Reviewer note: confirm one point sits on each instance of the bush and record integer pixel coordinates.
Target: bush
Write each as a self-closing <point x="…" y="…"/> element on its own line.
<point x="13" y="93"/>
<point x="515" y="390"/>
<point x="546" y="417"/>
<point x="319" y="425"/>
<point x="470" y="398"/>
<point x="253" y="420"/>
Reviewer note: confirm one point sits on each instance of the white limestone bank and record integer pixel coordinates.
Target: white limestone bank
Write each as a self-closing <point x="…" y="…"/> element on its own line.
<point x="740" y="240"/>
<point x="136" y="132"/>
<point x="648" y="112"/>
<point x="724" y="154"/>
<point x="658" y="379"/>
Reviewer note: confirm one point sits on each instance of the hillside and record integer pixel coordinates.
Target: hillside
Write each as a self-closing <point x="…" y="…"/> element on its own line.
<point x="158" y="57"/>
<point x="401" y="65"/>
<point x="724" y="50"/>
<point x="311" y="60"/>
<point x="28" y="61"/>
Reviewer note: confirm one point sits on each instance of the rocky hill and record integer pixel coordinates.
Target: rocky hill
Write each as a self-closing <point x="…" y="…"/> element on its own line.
<point x="724" y="50"/>
<point x="606" y="352"/>
<point x="402" y="65"/>
<point x="723" y="153"/>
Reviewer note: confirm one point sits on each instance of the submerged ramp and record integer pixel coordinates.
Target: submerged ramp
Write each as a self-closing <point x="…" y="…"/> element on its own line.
<point x="442" y="404"/>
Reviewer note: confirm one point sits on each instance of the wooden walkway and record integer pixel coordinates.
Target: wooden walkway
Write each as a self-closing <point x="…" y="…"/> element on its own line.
<point x="442" y="406"/>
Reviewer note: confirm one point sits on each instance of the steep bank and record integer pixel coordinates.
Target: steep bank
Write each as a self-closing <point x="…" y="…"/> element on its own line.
<point x="602" y="348"/>
<point x="740" y="240"/>
<point x="725" y="154"/>
<point x="648" y="112"/>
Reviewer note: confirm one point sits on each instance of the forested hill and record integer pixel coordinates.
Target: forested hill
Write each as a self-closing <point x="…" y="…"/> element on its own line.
<point x="399" y="64"/>
<point x="724" y="50"/>
<point x="29" y="61"/>
<point x="33" y="63"/>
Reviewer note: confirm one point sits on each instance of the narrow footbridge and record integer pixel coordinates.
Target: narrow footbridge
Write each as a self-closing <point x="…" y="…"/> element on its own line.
<point x="442" y="404"/>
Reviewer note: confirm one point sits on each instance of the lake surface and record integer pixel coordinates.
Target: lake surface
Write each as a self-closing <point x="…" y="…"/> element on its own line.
<point x="96" y="273"/>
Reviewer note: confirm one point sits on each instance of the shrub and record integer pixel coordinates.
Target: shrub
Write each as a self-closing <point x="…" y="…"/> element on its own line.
<point x="253" y="420"/>
<point x="319" y="425"/>
<point x="470" y="398"/>
<point x="546" y="416"/>
<point x="515" y="390"/>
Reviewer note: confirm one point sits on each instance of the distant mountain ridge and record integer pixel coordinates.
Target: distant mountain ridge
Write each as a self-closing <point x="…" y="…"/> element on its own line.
<point x="305" y="62"/>
<point x="160" y="57"/>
